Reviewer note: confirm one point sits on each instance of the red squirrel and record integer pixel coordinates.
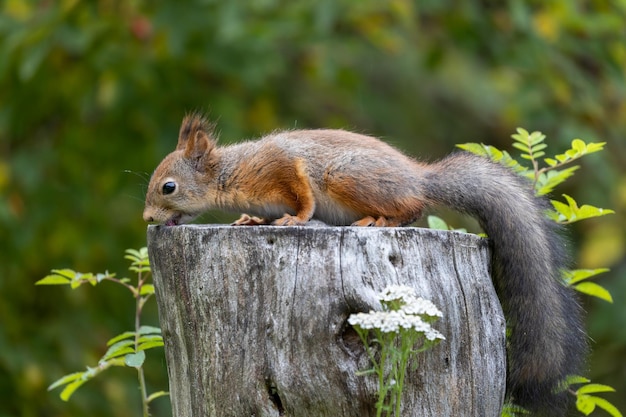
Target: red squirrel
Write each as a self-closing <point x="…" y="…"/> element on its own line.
<point x="343" y="178"/>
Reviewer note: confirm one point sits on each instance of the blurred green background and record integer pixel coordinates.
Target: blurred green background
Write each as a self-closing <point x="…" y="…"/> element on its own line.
<point x="92" y="94"/>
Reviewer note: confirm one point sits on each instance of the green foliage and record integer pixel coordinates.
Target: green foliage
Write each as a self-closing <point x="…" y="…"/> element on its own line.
<point x="495" y="154"/>
<point x="512" y="410"/>
<point x="438" y="223"/>
<point x="545" y="179"/>
<point x="587" y="403"/>
<point x="570" y="212"/>
<point x="532" y="147"/>
<point x="126" y="349"/>
<point x="576" y="277"/>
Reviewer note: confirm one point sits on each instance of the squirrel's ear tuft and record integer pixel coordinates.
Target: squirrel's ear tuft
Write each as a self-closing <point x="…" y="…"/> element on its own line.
<point x="193" y="125"/>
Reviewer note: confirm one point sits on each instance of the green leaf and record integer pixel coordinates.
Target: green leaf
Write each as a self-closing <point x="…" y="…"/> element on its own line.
<point x="494" y="154"/>
<point x="140" y="262"/>
<point x="591" y="288"/>
<point x="512" y="410"/>
<point x="572" y="213"/>
<point x="437" y="223"/>
<point x="71" y="388"/>
<point x="551" y="162"/>
<point x="576" y="379"/>
<point x="139" y="269"/>
<point x="132" y="254"/>
<point x="149" y="330"/>
<point x="577" y="275"/>
<point x="547" y="181"/>
<point x="150" y="345"/>
<point x="578" y="149"/>
<point x="537" y="148"/>
<point x="135" y="360"/>
<point x="118" y="349"/>
<point x="594" y="388"/>
<point x="150" y="338"/>
<point x="68" y="273"/>
<point x="54" y="279"/>
<point x="536" y="138"/>
<point x="530" y="144"/>
<point x="587" y="212"/>
<point x="65" y="380"/>
<point x="585" y="404"/>
<point x="521" y="136"/>
<point x="475" y="148"/>
<point x="147" y="289"/>
<point x="579" y="145"/>
<point x="119" y="337"/>
<point x="138" y="256"/>
<point x="522" y="147"/>
<point x="606" y="406"/>
<point x="595" y="147"/>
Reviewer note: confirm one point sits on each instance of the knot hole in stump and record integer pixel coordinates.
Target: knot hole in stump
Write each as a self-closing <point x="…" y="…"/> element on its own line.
<point x="275" y="397"/>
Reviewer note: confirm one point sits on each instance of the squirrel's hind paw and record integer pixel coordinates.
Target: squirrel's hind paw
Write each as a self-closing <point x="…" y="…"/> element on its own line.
<point x="377" y="222"/>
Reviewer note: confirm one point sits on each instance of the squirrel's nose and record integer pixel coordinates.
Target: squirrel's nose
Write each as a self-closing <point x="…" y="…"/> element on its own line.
<point x="147" y="217"/>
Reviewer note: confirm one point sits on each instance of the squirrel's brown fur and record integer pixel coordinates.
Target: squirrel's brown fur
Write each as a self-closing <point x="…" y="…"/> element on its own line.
<point x="344" y="178"/>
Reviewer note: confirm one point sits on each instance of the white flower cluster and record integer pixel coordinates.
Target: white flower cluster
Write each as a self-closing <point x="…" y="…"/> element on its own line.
<point x="409" y="302"/>
<point x="406" y="315"/>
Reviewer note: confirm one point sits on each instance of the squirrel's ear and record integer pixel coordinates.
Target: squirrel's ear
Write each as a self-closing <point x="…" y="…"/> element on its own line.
<point x="192" y="124"/>
<point x="198" y="149"/>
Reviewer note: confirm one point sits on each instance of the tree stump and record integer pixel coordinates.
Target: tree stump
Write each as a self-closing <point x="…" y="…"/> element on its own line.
<point x="254" y="319"/>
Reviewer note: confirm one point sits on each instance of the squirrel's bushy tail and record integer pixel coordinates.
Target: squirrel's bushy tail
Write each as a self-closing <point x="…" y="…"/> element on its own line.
<point x="547" y="341"/>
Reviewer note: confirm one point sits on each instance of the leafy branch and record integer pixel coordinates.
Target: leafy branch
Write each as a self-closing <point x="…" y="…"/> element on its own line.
<point x="544" y="179"/>
<point x="126" y="349"/>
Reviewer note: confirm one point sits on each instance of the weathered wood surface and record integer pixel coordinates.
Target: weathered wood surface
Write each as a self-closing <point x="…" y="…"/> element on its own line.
<point x="254" y="319"/>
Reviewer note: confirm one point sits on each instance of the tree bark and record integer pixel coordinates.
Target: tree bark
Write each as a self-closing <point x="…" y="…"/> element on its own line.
<point x="254" y="319"/>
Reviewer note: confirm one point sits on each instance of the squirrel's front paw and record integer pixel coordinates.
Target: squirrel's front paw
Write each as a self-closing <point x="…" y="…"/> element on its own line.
<point x="288" y="220"/>
<point x="247" y="220"/>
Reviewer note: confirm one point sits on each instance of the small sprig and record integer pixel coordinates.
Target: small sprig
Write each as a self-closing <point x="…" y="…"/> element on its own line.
<point x="570" y="212"/>
<point x="587" y="403"/>
<point x="126" y="349"/>
<point x="532" y="146"/>
<point x="545" y="179"/>
<point x="437" y="223"/>
<point x="577" y="278"/>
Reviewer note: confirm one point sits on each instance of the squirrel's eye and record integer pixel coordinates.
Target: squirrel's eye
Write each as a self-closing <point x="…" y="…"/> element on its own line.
<point x="169" y="187"/>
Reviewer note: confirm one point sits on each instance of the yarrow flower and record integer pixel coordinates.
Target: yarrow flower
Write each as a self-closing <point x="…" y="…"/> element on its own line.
<point x="402" y="309"/>
<point x="421" y="306"/>
<point x="393" y="322"/>
<point x="404" y="322"/>
<point x="396" y="292"/>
